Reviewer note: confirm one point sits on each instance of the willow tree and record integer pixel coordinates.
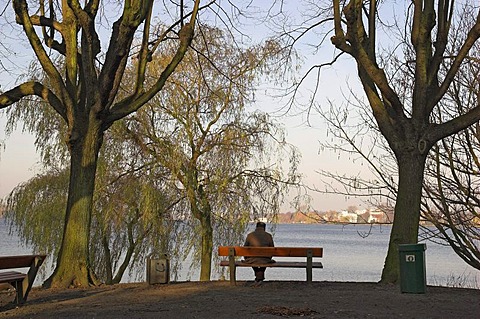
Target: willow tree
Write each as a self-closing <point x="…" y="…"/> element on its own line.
<point x="135" y="210"/>
<point x="403" y="110"/>
<point x="230" y="162"/>
<point x="84" y="92"/>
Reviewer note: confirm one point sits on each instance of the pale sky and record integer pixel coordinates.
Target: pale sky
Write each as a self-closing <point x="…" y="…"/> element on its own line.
<point x="19" y="161"/>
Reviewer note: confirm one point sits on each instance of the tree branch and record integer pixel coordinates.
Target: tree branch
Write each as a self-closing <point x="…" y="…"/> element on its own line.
<point x="32" y="88"/>
<point x="472" y="37"/>
<point x="117" y="54"/>
<point x="125" y="107"/>
<point x="21" y="10"/>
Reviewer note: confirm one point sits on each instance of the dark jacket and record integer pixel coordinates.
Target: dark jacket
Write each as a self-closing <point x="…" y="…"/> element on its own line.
<point x="259" y="238"/>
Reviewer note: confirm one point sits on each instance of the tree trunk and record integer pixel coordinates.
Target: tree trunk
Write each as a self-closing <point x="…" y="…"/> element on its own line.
<point x="108" y="259"/>
<point x="202" y="211"/>
<point x="407" y="211"/>
<point x="132" y="244"/>
<point x="207" y="248"/>
<point x="72" y="268"/>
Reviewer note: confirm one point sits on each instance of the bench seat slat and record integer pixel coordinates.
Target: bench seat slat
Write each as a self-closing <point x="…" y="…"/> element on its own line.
<point x="8" y="262"/>
<point x="11" y="276"/>
<point x="271" y="251"/>
<point x="284" y="264"/>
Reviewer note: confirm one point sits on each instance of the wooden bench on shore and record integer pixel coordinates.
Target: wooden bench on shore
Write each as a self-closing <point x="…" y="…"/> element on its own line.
<point x="233" y="252"/>
<point x="22" y="282"/>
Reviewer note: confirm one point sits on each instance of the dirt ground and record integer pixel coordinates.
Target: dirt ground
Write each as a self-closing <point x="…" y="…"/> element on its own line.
<point x="218" y="299"/>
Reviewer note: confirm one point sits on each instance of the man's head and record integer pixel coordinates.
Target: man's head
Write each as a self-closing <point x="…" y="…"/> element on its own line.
<point x="262" y="225"/>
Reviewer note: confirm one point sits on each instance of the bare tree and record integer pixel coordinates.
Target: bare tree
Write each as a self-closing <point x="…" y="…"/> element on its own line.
<point x="404" y="118"/>
<point x="449" y="198"/>
<point x="405" y="73"/>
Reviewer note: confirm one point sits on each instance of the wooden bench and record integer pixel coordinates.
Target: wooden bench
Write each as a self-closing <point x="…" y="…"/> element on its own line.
<point x="22" y="282"/>
<point x="234" y="252"/>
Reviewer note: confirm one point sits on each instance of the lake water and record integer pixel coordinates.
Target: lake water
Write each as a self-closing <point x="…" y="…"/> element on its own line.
<point x="347" y="255"/>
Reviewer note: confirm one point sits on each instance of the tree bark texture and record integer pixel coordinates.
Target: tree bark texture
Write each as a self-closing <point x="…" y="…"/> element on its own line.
<point x="207" y="248"/>
<point x="407" y="211"/>
<point x="73" y="267"/>
<point x="201" y="210"/>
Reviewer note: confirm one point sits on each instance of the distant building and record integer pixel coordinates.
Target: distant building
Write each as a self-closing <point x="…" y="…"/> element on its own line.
<point x="376" y="217"/>
<point x="348" y="217"/>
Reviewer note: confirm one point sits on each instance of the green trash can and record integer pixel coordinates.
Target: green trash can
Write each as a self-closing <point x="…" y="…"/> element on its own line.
<point x="412" y="268"/>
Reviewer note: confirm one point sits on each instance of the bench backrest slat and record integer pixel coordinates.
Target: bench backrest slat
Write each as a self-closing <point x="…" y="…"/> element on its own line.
<point x="8" y="262"/>
<point x="271" y="251"/>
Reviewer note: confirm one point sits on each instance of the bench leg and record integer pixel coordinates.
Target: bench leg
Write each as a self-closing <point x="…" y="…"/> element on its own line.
<point x="233" y="279"/>
<point x="231" y="261"/>
<point x="23" y="287"/>
<point x="27" y="283"/>
<point x="309" y="265"/>
<point x="19" y="292"/>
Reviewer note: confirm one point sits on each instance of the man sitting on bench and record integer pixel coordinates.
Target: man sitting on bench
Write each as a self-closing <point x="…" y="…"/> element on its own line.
<point x="259" y="238"/>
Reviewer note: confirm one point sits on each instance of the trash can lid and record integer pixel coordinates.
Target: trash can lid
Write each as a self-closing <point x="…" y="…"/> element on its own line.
<point x="412" y="247"/>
